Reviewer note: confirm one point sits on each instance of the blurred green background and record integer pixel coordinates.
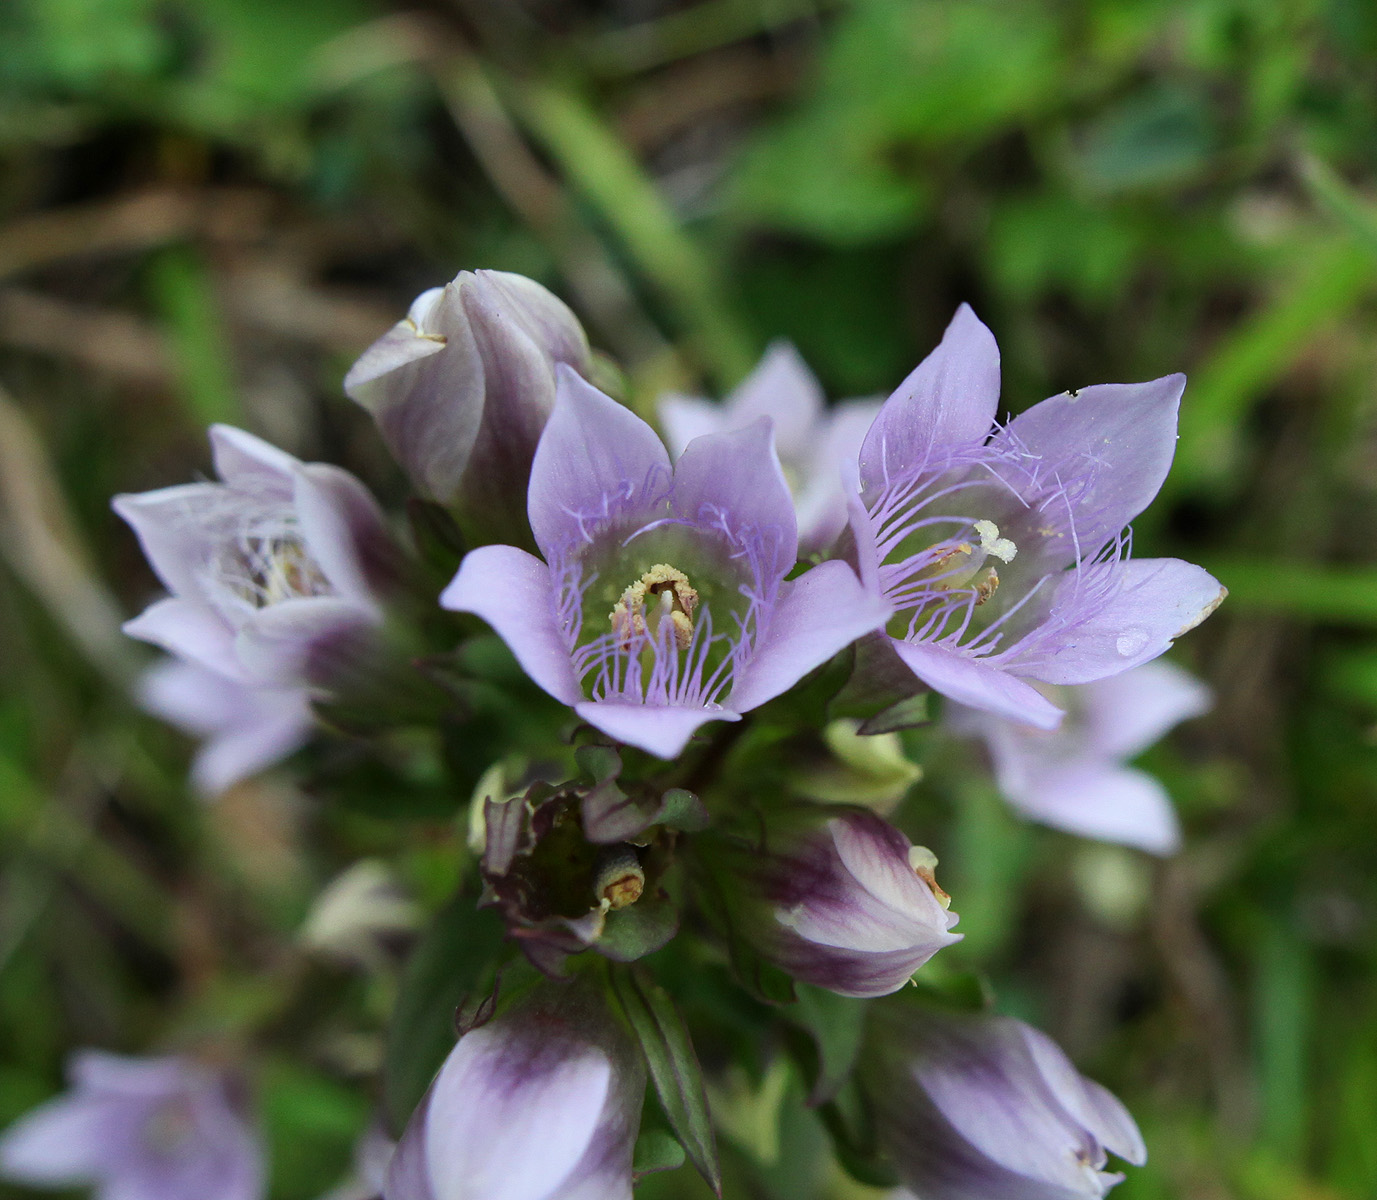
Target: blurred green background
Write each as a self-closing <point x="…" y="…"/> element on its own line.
<point x="209" y="207"/>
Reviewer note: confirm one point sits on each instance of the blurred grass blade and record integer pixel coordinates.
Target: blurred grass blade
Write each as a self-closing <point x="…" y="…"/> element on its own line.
<point x="1358" y="215"/>
<point x="39" y="538"/>
<point x="1347" y="595"/>
<point x="184" y="293"/>
<point x="693" y="30"/>
<point x="1283" y="991"/>
<point x="1253" y="356"/>
<point x="611" y="179"/>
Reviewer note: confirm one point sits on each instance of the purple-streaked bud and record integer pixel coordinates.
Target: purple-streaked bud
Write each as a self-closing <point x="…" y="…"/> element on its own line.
<point x="461" y="388"/>
<point x="152" y="1128"/>
<point x="276" y="574"/>
<point x="987" y="1108"/>
<point x="543" y="1103"/>
<point x="841" y="899"/>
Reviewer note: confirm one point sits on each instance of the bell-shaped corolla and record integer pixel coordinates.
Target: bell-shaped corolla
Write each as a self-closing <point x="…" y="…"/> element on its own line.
<point x="542" y="1103"/>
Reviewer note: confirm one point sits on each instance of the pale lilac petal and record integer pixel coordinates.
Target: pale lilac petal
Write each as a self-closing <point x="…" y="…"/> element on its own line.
<point x="250" y="463"/>
<point x="711" y="488"/>
<point x="64" y="1142"/>
<point x="167" y="522"/>
<point x="876" y="855"/>
<point x="345" y="529"/>
<point x="596" y="461"/>
<point x="404" y="343"/>
<point x="983" y="1079"/>
<point x="978" y="684"/>
<point x="188" y="630"/>
<point x="408" y="1176"/>
<point x="496" y="1131"/>
<point x="518" y="394"/>
<point x="1128" y="712"/>
<point x="783" y="389"/>
<point x="155" y="1078"/>
<point x="1103" y="801"/>
<point x="1150" y="603"/>
<point x="280" y="724"/>
<point x="656" y="729"/>
<point x="683" y="418"/>
<point x="190" y="697"/>
<point x="949" y="400"/>
<point x="821" y="498"/>
<point x="1109" y="446"/>
<point x="545" y="318"/>
<point x="513" y="592"/>
<point x="1094" y="1107"/>
<point x="816" y="616"/>
<point x="246" y="729"/>
<point x="423" y="383"/>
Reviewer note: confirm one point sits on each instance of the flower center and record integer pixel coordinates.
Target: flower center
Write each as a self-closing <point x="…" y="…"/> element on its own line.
<point x="661" y="594"/>
<point x="267" y="562"/>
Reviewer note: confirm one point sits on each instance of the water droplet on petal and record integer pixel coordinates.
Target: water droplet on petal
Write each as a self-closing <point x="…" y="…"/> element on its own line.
<point x="1131" y="641"/>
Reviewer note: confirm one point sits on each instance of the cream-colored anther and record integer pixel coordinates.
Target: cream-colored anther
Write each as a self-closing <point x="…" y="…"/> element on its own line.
<point x="992" y="544"/>
<point x="674" y="600"/>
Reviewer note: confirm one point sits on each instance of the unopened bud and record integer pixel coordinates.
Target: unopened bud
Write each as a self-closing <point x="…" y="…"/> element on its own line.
<point x="620" y="879"/>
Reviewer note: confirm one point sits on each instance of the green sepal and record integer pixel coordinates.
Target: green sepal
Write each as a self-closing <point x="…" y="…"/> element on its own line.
<point x="639" y="929"/>
<point x="657" y="1149"/>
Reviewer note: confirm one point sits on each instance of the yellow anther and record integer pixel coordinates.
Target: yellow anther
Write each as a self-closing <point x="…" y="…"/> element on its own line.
<point x="986" y="587"/>
<point x="677" y="599"/>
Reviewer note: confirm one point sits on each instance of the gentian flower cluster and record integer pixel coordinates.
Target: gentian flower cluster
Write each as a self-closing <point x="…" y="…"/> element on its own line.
<point x="684" y="673"/>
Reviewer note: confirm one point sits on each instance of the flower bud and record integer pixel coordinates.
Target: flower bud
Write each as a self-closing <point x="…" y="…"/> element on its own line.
<point x="543" y="1103"/>
<point x="841" y="901"/>
<point x="156" y="1128"/>
<point x="461" y="390"/>
<point x="974" y="1107"/>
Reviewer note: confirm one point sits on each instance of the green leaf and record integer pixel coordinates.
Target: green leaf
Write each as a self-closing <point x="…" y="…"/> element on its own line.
<point x="847" y="1119"/>
<point x="833" y="1026"/>
<point x="1159" y="136"/>
<point x="673" y="1067"/>
<point x="453" y="960"/>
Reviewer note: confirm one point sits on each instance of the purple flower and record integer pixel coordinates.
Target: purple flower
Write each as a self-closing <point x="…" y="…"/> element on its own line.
<point x="1002" y="549"/>
<point x="988" y="1108"/>
<point x="661" y="603"/>
<point x="843" y="901"/>
<point x="543" y="1103"/>
<point x="1074" y="778"/>
<point x="814" y="442"/>
<point x="145" y="1128"/>
<point x="463" y="386"/>
<point x="275" y="574"/>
